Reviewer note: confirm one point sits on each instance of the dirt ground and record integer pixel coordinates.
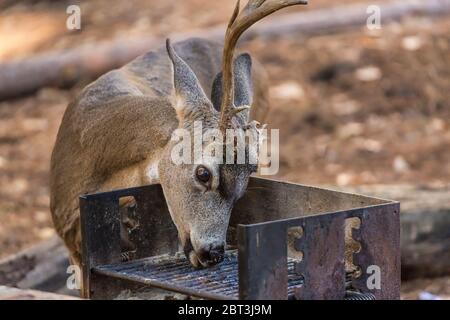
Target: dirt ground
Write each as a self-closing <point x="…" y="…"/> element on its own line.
<point x="353" y="108"/>
<point x="32" y="26"/>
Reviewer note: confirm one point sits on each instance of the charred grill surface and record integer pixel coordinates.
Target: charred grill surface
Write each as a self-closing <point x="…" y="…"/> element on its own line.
<point x="175" y="273"/>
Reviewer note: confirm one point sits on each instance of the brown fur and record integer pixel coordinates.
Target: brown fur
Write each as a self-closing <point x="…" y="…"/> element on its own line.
<point x="121" y="123"/>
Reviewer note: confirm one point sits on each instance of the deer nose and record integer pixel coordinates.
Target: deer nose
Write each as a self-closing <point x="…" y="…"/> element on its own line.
<point x="217" y="254"/>
<point x="213" y="256"/>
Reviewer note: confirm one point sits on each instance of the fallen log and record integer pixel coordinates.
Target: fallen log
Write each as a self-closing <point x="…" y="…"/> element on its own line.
<point x="41" y="267"/>
<point x="8" y="293"/>
<point x="65" y="68"/>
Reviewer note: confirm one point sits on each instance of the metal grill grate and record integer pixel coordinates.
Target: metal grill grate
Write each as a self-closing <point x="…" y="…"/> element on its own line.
<point x="174" y="273"/>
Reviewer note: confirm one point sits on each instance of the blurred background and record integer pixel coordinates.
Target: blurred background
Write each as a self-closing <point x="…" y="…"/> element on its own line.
<point x="358" y="109"/>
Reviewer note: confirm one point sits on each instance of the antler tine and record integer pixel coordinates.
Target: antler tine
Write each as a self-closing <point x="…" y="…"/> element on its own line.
<point x="240" y="21"/>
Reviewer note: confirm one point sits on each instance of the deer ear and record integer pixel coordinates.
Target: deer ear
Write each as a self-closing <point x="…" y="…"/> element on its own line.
<point x="189" y="92"/>
<point x="243" y="87"/>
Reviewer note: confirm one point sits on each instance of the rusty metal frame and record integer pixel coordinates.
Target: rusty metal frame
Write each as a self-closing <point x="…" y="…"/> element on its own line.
<point x="322" y="245"/>
<point x="260" y="224"/>
<point x="100" y="231"/>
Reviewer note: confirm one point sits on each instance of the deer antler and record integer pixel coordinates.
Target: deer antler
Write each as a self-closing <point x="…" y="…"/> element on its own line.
<point x="254" y="11"/>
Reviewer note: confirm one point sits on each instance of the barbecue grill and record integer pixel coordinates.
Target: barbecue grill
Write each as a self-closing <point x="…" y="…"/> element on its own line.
<point x="286" y="241"/>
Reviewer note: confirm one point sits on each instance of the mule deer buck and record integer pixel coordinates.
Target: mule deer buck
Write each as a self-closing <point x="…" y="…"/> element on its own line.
<point x="117" y="134"/>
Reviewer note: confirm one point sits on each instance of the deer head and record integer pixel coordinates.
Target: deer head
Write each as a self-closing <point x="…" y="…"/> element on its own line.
<point x="201" y="194"/>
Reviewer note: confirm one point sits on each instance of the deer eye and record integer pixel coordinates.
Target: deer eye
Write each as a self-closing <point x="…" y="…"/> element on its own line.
<point x="203" y="174"/>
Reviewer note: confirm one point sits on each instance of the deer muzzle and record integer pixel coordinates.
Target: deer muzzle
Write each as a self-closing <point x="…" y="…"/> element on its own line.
<point x="205" y="256"/>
